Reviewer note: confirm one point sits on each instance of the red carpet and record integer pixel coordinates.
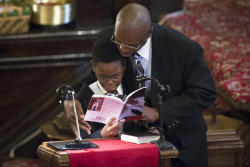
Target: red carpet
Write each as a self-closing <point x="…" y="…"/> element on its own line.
<point x="22" y="162"/>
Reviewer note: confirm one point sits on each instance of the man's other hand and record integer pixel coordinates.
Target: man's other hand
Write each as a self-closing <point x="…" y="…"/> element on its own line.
<point x="149" y="114"/>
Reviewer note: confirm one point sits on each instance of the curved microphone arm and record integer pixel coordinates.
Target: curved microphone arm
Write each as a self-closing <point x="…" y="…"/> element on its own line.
<point x="65" y="92"/>
<point x="162" y="89"/>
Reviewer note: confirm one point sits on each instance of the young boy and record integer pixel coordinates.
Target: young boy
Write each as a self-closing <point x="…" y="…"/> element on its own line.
<point x="109" y="68"/>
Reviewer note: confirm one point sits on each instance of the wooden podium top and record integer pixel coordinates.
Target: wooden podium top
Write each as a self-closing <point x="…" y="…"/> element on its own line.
<point x="61" y="158"/>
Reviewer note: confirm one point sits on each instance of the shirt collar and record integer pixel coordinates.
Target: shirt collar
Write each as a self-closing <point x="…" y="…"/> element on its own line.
<point x="145" y="49"/>
<point x="103" y="91"/>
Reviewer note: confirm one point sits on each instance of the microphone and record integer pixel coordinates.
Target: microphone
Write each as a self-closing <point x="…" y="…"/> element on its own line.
<point x="65" y="92"/>
<point x="162" y="91"/>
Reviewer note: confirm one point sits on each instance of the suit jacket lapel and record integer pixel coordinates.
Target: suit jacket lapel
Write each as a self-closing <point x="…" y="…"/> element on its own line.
<point x="160" y="68"/>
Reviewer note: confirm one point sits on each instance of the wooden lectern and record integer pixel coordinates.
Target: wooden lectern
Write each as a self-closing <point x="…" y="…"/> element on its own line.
<point x="59" y="129"/>
<point x="228" y="144"/>
<point x="61" y="158"/>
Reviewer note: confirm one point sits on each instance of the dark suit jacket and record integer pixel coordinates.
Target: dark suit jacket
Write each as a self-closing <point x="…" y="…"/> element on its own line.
<point x="178" y="61"/>
<point x="192" y="91"/>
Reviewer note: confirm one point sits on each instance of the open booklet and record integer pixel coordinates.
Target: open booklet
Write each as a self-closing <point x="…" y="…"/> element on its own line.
<point x="102" y="107"/>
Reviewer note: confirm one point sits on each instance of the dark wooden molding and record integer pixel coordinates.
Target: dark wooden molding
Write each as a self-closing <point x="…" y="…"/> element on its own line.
<point x="43" y="61"/>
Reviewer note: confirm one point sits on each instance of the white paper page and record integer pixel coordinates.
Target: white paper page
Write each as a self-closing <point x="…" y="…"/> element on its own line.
<point x="103" y="109"/>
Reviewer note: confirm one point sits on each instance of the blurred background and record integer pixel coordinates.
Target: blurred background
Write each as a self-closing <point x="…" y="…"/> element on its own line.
<point x="46" y="43"/>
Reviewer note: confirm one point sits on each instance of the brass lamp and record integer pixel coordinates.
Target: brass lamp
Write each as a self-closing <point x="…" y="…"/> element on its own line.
<point x="52" y="12"/>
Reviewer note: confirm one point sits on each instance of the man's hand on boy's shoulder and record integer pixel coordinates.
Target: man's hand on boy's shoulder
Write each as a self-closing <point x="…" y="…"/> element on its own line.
<point x="149" y="114"/>
<point x="69" y="110"/>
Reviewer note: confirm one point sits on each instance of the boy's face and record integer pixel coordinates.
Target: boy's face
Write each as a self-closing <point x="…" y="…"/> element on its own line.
<point x="109" y="74"/>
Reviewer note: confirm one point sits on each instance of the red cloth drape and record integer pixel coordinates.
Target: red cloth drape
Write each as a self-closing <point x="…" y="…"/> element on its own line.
<point x="115" y="152"/>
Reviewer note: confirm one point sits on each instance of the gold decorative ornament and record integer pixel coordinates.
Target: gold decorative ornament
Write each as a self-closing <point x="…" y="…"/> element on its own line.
<point x="52" y="12"/>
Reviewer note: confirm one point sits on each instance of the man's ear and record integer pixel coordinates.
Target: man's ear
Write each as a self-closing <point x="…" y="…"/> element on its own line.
<point x="92" y="64"/>
<point x="150" y="31"/>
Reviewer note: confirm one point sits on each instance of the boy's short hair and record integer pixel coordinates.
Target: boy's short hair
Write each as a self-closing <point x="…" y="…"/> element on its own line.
<point x="105" y="51"/>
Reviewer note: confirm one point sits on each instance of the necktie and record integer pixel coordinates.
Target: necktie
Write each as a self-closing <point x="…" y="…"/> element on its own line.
<point x="139" y="69"/>
<point x="115" y="93"/>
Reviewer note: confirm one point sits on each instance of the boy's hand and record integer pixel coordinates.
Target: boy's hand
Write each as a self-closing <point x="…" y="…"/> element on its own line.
<point x="110" y="129"/>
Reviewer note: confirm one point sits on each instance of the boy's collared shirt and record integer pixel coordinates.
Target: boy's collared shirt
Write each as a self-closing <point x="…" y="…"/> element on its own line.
<point x="97" y="88"/>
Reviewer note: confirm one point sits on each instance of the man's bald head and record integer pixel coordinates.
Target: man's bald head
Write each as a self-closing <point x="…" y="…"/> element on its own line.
<point x="132" y="28"/>
<point x="133" y="17"/>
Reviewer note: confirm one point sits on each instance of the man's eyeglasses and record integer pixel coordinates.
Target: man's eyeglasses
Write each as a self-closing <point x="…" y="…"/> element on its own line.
<point x="125" y="45"/>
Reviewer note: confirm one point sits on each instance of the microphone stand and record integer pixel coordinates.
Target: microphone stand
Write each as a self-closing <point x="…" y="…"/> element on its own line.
<point x="65" y="92"/>
<point x="162" y="91"/>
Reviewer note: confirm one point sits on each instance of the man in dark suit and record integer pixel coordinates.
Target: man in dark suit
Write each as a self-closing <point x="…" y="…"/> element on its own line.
<point x="173" y="59"/>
